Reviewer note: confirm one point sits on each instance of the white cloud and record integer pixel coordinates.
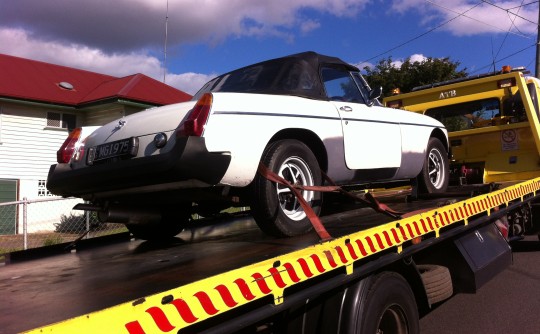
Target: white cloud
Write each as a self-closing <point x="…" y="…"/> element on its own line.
<point x="115" y="38"/>
<point x="127" y="25"/>
<point x="468" y="17"/>
<point x="417" y="58"/>
<point x="188" y="82"/>
<point x="362" y="65"/>
<point x="413" y="59"/>
<point x="396" y="63"/>
<point x="16" y="42"/>
<point x="309" y="25"/>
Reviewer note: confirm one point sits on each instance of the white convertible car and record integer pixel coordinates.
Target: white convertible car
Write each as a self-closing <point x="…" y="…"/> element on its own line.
<point x="298" y="115"/>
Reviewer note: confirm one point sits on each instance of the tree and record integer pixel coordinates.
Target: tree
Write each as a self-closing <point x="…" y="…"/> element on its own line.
<point x="412" y="74"/>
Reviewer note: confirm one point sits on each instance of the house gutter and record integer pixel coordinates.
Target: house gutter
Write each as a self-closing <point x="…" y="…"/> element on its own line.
<point x="136" y="104"/>
<point x="78" y="107"/>
<point x="37" y="104"/>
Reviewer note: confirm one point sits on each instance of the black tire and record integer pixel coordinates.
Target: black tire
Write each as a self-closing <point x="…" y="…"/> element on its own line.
<point x="383" y="303"/>
<point x="171" y="224"/>
<point x="437" y="282"/>
<point x="274" y="207"/>
<point x="435" y="174"/>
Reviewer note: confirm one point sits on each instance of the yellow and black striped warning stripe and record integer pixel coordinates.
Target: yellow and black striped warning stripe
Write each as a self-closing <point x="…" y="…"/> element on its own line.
<point x="181" y="307"/>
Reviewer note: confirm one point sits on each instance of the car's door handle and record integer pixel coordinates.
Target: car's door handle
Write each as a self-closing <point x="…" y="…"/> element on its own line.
<point x="345" y="108"/>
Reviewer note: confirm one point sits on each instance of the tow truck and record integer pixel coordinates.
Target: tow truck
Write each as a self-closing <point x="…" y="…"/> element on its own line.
<point x="492" y="120"/>
<point x="375" y="263"/>
<point x="493" y="125"/>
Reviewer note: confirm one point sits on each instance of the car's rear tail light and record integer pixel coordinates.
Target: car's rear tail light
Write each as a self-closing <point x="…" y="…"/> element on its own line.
<point x="64" y="154"/>
<point x="194" y="124"/>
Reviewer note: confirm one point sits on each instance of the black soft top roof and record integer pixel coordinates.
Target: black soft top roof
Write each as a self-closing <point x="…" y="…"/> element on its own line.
<point x="297" y="74"/>
<point x="316" y="60"/>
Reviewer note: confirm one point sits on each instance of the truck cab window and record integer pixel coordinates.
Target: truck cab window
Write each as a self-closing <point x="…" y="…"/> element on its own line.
<point x="534" y="97"/>
<point x="468" y="115"/>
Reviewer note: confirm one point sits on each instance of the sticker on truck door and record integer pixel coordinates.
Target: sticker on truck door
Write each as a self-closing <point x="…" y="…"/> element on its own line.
<point x="509" y="141"/>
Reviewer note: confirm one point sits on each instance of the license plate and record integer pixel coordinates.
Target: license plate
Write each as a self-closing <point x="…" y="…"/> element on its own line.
<point x="121" y="148"/>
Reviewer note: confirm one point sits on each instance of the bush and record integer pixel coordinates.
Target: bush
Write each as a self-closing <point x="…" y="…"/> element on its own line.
<point x="75" y="224"/>
<point x="53" y="240"/>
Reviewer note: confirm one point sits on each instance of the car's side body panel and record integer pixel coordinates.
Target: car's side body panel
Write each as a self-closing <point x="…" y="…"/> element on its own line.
<point x="244" y="124"/>
<point x="369" y="132"/>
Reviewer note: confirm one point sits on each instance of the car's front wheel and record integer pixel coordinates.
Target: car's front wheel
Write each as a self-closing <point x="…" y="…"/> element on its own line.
<point x="435" y="174"/>
<point x="275" y="208"/>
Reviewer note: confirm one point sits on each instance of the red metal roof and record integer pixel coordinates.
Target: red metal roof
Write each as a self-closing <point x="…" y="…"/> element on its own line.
<point x="32" y="80"/>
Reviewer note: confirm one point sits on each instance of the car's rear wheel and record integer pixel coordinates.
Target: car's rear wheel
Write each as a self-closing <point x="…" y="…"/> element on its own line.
<point x="434" y="176"/>
<point x="171" y="224"/>
<point x="275" y="208"/>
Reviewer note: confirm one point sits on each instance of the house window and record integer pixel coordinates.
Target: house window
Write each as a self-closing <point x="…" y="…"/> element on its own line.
<point x="42" y="189"/>
<point x="59" y="120"/>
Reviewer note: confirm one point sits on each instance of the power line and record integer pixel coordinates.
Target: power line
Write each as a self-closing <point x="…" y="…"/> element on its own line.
<point x="474" y="19"/>
<point x="523" y="5"/>
<point x="508" y="11"/>
<point x="443" y="24"/>
<point x="506" y="36"/>
<point x="515" y="15"/>
<point x="423" y="34"/>
<point x="504" y="58"/>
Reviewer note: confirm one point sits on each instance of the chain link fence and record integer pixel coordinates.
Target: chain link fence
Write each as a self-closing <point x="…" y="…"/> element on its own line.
<point x="44" y="222"/>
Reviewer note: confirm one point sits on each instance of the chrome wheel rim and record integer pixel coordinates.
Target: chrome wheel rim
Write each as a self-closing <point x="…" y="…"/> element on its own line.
<point x="436" y="168"/>
<point x="296" y="171"/>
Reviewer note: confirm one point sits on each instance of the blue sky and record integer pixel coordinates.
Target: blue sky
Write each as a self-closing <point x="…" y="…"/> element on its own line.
<point x="209" y="37"/>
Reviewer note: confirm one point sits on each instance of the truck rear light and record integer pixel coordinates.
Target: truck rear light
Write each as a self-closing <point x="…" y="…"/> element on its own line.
<point x="505" y="83"/>
<point x="64" y="154"/>
<point x="394" y="104"/>
<point x="196" y="120"/>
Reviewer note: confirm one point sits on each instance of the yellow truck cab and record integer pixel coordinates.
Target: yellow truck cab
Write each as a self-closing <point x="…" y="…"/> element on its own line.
<point x="492" y="120"/>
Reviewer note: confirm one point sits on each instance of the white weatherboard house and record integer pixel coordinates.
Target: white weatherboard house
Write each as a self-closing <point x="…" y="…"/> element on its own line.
<point x="39" y="104"/>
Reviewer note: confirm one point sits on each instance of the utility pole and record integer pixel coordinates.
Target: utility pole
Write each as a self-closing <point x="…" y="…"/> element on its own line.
<point x="165" y="48"/>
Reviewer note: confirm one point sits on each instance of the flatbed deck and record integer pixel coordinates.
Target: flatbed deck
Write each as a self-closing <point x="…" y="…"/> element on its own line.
<point x="43" y="291"/>
<point x="56" y="288"/>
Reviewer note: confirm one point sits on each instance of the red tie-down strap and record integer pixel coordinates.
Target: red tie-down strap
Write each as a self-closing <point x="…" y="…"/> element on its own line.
<point x="368" y="199"/>
<point x="313" y="218"/>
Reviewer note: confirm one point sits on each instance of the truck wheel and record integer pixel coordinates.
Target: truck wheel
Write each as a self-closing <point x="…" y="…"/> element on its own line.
<point x="435" y="174"/>
<point x="275" y="208"/>
<point x="382" y="303"/>
<point x="437" y="282"/>
<point x="171" y="224"/>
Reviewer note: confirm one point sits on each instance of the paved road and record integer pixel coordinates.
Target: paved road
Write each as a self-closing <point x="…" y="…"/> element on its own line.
<point x="509" y="303"/>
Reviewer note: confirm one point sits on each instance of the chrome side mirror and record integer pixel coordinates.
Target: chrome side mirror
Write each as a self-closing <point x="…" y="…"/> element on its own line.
<point x="374" y="94"/>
